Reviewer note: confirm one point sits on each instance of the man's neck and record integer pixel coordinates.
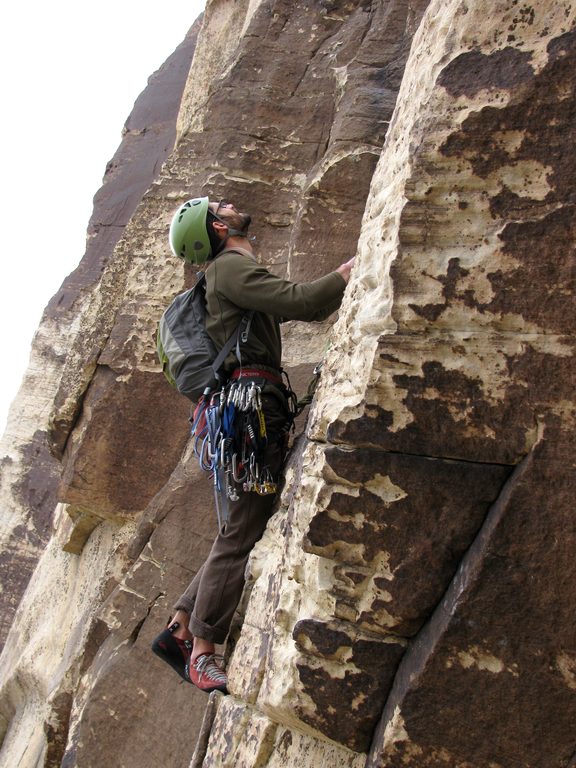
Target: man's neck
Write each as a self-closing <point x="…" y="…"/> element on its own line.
<point x="239" y="242"/>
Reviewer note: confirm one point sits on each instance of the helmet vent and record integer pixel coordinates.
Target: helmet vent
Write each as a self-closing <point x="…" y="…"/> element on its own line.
<point x="183" y="211"/>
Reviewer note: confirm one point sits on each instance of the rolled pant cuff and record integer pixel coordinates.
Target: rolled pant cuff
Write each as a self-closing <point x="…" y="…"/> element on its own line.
<point x="206" y="632"/>
<point x="184" y="604"/>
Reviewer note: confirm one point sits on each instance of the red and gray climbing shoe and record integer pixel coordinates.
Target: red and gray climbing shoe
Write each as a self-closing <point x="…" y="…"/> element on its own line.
<point x="173" y="650"/>
<point x="206" y="673"/>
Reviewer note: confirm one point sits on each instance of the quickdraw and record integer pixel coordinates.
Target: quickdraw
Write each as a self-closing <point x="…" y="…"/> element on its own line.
<point x="229" y="434"/>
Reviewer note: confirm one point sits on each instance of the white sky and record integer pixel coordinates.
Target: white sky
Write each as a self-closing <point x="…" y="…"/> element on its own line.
<point x="69" y="76"/>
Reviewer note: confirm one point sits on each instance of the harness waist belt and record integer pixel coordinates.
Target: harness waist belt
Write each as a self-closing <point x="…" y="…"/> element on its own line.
<point x="241" y="373"/>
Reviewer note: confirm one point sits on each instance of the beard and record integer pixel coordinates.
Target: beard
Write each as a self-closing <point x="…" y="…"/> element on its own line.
<point x="245" y="221"/>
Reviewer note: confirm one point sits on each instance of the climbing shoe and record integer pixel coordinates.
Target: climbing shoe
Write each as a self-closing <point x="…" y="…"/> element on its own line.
<point x="205" y="673"/>
<point x="173" y="650"/>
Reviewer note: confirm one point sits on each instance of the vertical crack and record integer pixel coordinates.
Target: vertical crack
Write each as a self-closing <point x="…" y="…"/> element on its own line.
<point x="422" y="647"/>
<point x="136" y="631"/>
<point x="206" y="729"/>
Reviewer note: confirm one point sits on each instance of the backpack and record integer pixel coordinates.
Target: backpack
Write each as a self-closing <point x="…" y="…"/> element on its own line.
<point x="190" y="360"/>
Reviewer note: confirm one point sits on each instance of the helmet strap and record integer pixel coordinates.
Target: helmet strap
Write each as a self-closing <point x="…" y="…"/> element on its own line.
<point x="237" y="232"/>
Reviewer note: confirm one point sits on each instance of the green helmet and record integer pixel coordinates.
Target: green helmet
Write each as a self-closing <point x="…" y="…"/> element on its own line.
<point x="188" y="234"/>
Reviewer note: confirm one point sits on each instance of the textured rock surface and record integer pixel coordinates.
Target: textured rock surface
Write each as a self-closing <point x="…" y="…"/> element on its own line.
<point x="68" y="342"/>
<point x="410" y="602"/>
<point x="57" y="634"/>
<point x="425" y="526"/>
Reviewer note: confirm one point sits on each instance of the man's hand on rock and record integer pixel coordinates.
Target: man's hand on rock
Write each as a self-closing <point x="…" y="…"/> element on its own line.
<point x="346" y="268"/>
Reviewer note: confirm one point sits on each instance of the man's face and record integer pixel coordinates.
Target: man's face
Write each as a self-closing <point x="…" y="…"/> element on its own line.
<point x="228" y="214"/>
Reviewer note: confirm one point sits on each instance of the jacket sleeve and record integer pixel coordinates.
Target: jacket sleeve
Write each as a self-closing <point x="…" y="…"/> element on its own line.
<point x="251" y="286"/>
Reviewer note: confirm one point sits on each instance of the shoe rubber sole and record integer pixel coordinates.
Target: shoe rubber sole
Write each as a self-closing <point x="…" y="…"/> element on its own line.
<point x="167" y="648"/>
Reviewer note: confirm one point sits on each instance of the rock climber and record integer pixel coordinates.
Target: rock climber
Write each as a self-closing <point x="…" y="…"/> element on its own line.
<point x="235" y="283"/>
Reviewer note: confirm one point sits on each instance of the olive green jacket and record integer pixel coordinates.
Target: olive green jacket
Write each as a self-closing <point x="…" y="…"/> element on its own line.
<point x="236" y="283"/>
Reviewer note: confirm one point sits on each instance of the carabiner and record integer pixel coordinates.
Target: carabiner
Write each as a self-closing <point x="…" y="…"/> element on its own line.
<point x="237" y="477"/>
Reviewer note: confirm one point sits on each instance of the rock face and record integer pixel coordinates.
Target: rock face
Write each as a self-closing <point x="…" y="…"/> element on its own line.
<point x="57" y="632"/>
<point x="410" y="603"/>
<point x="68" y="343"/>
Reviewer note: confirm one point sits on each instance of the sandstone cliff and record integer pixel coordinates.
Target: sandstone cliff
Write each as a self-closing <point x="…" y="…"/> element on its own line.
<point x="411" y="603"/>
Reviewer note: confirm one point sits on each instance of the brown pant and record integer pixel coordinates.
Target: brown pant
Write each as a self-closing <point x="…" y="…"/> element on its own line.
<point x="215" y="591"/>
